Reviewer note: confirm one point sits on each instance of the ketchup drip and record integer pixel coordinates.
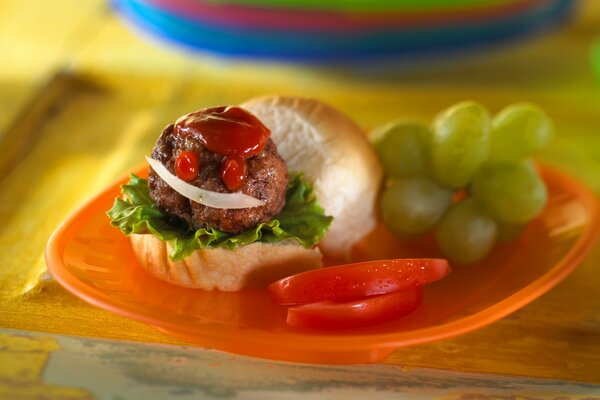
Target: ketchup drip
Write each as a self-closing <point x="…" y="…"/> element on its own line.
<point x="231" y="132"/>
<point x="186" y="165"/>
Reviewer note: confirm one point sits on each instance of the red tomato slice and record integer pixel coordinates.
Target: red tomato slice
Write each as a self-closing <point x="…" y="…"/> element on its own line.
<point x="355" y="314"/>
<point x="356" y="281"/>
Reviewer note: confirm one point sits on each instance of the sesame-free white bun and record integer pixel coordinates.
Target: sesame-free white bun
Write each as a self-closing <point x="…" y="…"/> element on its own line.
<point x="251" y="266"/>
<point x="335" y="156"/>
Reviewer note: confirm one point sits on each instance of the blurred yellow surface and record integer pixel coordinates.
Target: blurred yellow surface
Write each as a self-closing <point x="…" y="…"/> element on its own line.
<point x="82" y="100"/>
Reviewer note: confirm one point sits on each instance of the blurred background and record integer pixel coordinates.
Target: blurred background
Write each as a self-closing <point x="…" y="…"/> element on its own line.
<point x="113" y="73"/>
<point x="87" y="86"/>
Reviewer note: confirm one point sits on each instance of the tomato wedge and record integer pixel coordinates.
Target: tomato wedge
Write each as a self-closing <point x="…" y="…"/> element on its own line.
<point x="356" y="281"/>
<point x="355" y="314"/>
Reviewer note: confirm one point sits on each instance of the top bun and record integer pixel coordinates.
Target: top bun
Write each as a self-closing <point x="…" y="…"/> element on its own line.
<point x="334" y="155"/>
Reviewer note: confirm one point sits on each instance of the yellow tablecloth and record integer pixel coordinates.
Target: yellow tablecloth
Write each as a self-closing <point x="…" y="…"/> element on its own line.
<point x="83" y="99"/>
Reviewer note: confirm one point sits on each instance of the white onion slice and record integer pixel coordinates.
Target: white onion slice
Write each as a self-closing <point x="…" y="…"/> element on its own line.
<point x="205" y="197"/>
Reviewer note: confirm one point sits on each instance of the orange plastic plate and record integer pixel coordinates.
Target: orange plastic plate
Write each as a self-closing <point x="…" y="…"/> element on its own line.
<point x="95" y="262"/>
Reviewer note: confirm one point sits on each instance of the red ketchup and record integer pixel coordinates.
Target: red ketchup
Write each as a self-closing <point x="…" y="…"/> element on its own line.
<point x="231" y="132"/>
<point x="187" y="165"/>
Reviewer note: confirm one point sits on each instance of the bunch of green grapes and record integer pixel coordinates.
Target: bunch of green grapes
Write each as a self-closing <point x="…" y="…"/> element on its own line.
<point x="469" y="177"/>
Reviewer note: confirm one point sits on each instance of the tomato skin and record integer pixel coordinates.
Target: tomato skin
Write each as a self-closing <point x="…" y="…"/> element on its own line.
<point x="356" y="281"/>
<point x="355" y="314"/>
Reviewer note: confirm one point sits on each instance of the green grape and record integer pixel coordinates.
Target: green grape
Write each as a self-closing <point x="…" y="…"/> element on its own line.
<point x="518" y="131"/>
<point x="512" y="193"/>
<point x="466" y="234"/>
<point x="413" y="205"/>
<point x="402" y="147"/>
<point x="460" y="143"/>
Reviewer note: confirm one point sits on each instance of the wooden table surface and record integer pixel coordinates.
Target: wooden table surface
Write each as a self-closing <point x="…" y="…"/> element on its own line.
<point x="81" y="101"/>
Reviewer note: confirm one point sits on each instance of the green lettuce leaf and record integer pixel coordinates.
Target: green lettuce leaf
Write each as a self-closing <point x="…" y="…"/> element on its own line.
<point x="302" y="220"/>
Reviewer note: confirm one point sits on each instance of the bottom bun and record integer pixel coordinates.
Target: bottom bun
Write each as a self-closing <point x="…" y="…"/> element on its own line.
<point x="251" y="266"/>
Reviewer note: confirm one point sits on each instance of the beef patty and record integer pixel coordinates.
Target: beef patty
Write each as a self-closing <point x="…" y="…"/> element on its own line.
<point x="266" y="180"/>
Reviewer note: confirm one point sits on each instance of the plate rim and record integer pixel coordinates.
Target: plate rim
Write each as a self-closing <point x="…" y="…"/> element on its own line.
<point x="349" y="342"/>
